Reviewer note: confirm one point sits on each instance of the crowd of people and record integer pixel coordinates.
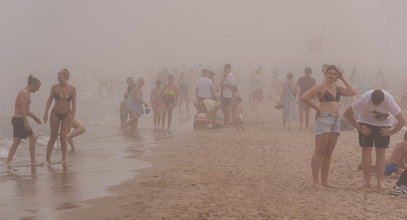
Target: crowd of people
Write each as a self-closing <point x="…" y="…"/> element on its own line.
<point x="374" y="114"/>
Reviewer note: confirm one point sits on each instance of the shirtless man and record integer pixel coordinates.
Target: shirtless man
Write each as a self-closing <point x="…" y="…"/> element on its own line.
<point x="396" y="160"/>
<point x="21" y="127"/>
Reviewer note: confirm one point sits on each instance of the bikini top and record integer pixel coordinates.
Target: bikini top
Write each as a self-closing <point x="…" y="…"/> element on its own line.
<point x="57" y="97"/>
<point x="328" y="97"/>
<point x="169" y="92"/>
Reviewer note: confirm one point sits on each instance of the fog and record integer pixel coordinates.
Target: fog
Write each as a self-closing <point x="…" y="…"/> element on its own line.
<point x="138" y="37"/>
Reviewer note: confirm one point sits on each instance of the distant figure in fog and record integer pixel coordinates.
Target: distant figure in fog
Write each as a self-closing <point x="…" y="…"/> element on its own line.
<point x="327" y="123"/>
<point x="275" y="85"/>
<point x="155" y="99"/>
<point x="288" y="99"/>
<point x="135" y="104"/>
<point x="256" y="84"/>
<point x="304" y="84"/>
<point x="380" y="84"/>
<point x="169" y="99"/>
<point x="123" y="111"/>
<point x="228" y="80"/>
<point x="21" y="127"/>
<point x="62" y="113"/>
<point x="108" y="85"/>
<point x="77" y="129"/>
<point x="183" y="92"/>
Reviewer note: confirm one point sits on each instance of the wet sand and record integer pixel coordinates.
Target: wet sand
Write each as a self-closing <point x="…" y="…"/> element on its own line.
<point x="263" y="173"/>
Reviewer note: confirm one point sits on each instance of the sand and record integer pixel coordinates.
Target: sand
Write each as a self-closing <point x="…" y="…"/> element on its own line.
<point x="262" y="173"/>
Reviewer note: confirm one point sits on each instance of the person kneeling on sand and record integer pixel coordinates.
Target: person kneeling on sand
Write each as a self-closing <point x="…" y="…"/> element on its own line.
<point x="78" y="129"/>
<point x="396" y="160"/>
<point x="209" y="107"/>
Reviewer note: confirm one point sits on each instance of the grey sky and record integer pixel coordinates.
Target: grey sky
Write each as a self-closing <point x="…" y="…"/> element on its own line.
<point x="124" y="36"/>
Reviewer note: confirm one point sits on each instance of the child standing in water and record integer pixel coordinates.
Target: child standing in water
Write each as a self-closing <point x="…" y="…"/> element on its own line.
<point x="123" y="112"/>
<point x="237" y="114"/>
<point x="156" y="103"/>
<point x="78" y="129"/>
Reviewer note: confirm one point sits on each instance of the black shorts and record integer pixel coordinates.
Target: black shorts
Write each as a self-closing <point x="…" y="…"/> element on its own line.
<point x="303" y="107"/>
<point x="374" y="138"/>
<point x="168" y="100"/>
<point x="18" y="128"/>
<point x="225" y="101"/>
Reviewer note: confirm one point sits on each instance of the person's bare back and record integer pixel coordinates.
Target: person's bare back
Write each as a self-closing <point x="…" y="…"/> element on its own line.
<point x="399" y="154"/>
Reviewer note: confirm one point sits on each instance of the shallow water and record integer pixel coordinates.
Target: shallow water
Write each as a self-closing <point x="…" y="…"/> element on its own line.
<point x="104" y="157"/>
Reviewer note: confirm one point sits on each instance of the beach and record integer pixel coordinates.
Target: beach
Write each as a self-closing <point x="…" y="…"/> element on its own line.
<point x="262" y="173"/>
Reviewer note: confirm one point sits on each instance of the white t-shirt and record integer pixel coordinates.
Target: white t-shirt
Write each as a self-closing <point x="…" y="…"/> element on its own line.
<point x="227" y="91"/>
<point x="204" y="86"/>
<point x="371" y="114"/>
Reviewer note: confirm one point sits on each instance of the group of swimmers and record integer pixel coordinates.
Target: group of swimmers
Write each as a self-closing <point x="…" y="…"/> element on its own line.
<point x="163" y="100"/>
<point x="166" y="95"/>
<point x="62" y="118"/>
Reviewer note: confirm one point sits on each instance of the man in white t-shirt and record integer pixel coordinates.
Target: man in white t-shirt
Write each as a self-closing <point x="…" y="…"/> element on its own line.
<point x="376" y="109"/>
<point x="228" y="81"/>
<point x="204" y="87"/>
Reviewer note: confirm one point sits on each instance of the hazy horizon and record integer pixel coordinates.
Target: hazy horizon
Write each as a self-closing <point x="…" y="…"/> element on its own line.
<point x="132" y="37"/>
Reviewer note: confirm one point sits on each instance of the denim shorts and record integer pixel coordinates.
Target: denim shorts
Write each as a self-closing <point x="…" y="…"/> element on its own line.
<point x="390" y="168"/>
<point x="327" y="122"/>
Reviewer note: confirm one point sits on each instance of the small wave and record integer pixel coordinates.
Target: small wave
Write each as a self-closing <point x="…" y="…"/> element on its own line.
<point x="5" y="143"/>
<point x="3" y="153"/>
<point x="42" y="140"/>
<point x="4" y="146"/>
<point x="105" y="121"/>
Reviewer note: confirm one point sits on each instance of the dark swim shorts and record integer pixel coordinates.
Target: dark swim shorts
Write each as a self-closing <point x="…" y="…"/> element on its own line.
<point x="375" y="138"/>
<point x="19" y="129"/>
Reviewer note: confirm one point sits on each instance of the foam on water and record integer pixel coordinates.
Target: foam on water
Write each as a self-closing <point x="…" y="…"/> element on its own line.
<point x="4" y="146"/>
<point x="42" y="140"/>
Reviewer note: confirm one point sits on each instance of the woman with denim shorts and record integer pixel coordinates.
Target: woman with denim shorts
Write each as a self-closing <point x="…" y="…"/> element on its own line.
<point x="327" y="124"/>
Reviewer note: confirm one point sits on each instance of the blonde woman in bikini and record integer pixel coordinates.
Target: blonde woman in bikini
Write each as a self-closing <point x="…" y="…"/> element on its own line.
<point x="62" y="114"/>
<point x="327" y="124"/>
<point x="169" y="99"/>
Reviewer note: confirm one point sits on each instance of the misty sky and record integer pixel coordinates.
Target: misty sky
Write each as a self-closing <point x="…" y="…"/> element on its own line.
<point x="129" y="36"/>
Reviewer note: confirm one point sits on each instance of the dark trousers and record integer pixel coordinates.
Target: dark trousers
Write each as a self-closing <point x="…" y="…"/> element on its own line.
<point x="402" y="179"/>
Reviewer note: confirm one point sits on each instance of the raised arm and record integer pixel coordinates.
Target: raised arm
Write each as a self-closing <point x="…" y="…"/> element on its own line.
<point x="349" y="90"/>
